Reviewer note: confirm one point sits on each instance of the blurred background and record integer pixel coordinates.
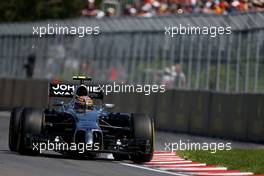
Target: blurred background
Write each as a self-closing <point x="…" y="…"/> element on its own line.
<point x="214" y="85"/>
<point x="132" y="46"/>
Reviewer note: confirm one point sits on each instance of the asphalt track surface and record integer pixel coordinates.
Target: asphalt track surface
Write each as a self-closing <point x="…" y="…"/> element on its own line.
<point x="13" y="164"/>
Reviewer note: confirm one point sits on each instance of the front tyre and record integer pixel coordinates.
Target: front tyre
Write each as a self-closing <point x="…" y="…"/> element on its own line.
<point x="31" y="123"/>
<point x="14" y="128"/>
<point x="143" y="133"/>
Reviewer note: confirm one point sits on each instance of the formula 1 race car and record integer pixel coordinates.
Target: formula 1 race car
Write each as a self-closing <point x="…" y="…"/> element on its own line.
<point x="65" y="126"/>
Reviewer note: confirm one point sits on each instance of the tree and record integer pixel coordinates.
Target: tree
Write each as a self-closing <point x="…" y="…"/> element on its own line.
<point x="31" y="10"/>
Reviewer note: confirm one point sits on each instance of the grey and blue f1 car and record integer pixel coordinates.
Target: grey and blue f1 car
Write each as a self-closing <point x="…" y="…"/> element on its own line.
<point x="125" y="135"/>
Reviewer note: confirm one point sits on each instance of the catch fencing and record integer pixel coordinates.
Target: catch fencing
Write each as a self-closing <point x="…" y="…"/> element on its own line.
<point x="136" y="50"/>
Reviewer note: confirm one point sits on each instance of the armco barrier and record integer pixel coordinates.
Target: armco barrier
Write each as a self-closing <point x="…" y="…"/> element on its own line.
<point x="217" y="118"/>
<point x="228" y="116"/>
<point x="18" y="93"/>
<point x="40" y="98"/>
<point x="27" y="93"/>
<point x="7" y="93"/>
<point x="2" y="83"/>
<point x="231" y="116"/>
<point x="165" y="118"/>
<point x="131" y="101"/>
<point x="199" y="112"/>
<point x="181" y="111"/>
<point x="255" y="115"/>
<point x="125" y="102"/>
<point x="237" y="120"/>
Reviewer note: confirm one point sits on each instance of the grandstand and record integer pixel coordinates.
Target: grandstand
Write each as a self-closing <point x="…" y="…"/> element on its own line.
<point x="150" y="8"/>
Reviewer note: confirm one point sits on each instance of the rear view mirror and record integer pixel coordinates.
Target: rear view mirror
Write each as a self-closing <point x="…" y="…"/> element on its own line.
<point x="109" y="106"/>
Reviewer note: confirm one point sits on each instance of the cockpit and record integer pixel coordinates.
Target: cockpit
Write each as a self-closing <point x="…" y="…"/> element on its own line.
<point x="83" y="102"/>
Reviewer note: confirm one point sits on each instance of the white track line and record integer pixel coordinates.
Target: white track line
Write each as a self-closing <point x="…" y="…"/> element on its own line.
<point x="220" y="173"/>
<point x="169" y="165"/>
<point x="155" y="170"/>
<point x="169" y="162"/>
<point x="174" y="156"/>
<point x="162" y="157"/>
<point x="165" y="158"/>
<point x="162" y="151"/>
<point x="197" y="169"/>
<point x="164" y="154"/>
<point x="168" y="156"/>
<point x="168" y="159"/>
<point x="179" y="165"/>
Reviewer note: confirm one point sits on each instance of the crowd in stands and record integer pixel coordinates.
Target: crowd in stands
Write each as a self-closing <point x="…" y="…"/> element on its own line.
<point x="149" y="8"/>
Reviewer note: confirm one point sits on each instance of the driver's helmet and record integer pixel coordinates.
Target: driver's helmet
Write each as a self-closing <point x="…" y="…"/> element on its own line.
<point x="83" y="103"/>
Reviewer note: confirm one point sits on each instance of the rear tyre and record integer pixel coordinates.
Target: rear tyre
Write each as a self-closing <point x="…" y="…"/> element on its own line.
<point x="14" y="128"/>
<point x="30" y="125"/>
<point x="143" y="132"/>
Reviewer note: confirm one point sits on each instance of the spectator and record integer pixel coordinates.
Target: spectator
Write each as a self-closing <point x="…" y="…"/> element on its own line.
<point x="146" y="10"/>
<point x="90" y="9"/>
<point x="130" y="10"/>
<point x="113" y="74"/>
<point x="117" y="73"/>
<point x="149" y="8"/>
<point x="167" y="78"/>
<point x="30" y="65"/>
<point x="110" y="12"/>
<point x="178" y="76"/>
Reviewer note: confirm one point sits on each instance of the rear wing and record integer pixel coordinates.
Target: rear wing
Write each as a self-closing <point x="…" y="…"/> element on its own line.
<point x="82" y="78"/>
<point x="68" y="90"/>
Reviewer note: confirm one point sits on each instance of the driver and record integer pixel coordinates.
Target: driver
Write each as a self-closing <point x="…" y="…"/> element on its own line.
<point x="83" y="104"/>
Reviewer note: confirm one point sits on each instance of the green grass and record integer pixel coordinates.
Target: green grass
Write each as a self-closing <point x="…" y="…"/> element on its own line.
<point x="247" y="160"/>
